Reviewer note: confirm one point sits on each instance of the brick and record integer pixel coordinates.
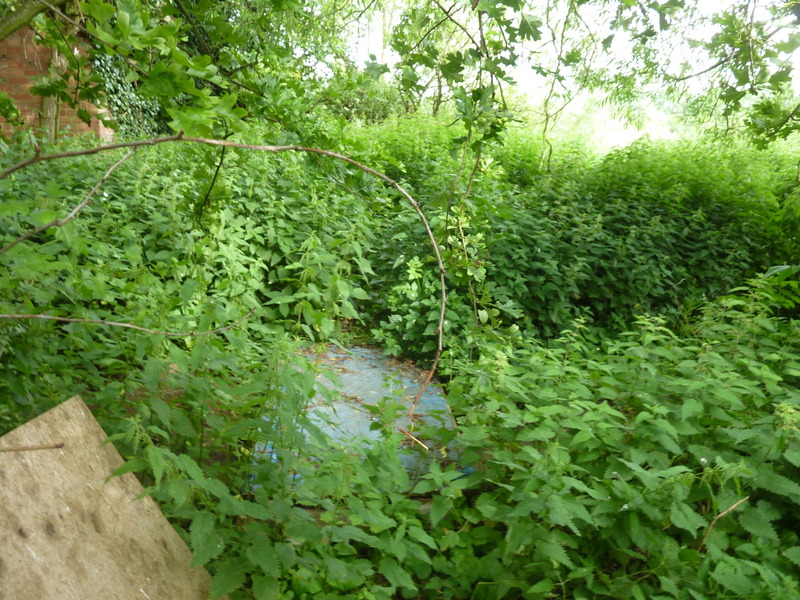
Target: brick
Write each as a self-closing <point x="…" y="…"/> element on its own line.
<point x="21" y="63"/>
<point x="16" y="80"/>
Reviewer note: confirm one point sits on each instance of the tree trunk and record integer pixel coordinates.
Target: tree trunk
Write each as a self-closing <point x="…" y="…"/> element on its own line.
<point x="49" y="115"/>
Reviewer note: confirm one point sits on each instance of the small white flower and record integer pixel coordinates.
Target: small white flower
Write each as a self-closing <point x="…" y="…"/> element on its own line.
<point x="624" y="507"/>
<point x="704" y="461"/>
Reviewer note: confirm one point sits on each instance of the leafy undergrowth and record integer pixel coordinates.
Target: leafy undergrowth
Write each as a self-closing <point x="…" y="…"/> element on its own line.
<point x="598" y="453"/>
<point x="656" y="228"/>
<point x="653" y="466"/>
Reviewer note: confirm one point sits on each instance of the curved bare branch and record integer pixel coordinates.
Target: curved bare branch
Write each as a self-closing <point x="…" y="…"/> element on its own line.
<point x="129" y="325"/>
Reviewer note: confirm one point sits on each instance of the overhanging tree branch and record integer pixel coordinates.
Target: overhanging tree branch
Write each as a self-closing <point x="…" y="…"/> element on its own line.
<point x="719" y="63"/>
<point x="449" y="16"/>
<point x="24" y="14"/>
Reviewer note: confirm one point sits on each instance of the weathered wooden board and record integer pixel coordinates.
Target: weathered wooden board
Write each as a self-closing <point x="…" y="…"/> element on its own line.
<point x="67" y="534"/>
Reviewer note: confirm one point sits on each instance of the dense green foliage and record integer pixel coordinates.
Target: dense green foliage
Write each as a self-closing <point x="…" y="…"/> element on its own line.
<point x="622" y="368"/>
<point x="654" y="228"/>
<point x="621" y="334"/>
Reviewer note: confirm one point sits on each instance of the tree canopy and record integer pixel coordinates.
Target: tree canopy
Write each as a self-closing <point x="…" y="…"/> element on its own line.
<point x="210" y="66"/>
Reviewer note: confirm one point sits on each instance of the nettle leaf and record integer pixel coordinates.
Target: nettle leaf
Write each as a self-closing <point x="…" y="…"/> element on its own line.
<point x="545" y="586"/>
<point x="757" y="522"/>
<point x="553" y="551"/>
<point x="793" y="554"/>
<point x="342" y="573"/>
<point x="178" y="490"/>
<point x="156" y="458"/>
<point x="683" y="516"/>
<point x="201" y="528"/>
<point x="732" y="578"/>
<point x="419" y="535"/>
<point x="489" y="507"/>
<point x="230" y="576"/>
<point x="263" y="555"/>
<point x="440" y="506"/>
<point x="134" y="465"/>
<point x="777" y="484"/>
<point x="691" y="408"/>
<point x="561" y="514"/>
<point x="792" y="455"/>
<point x="190" y="467"/>
<point x="518" y="537"/>
<point x="395" y="574"/>
<point x="206" y="542"/>
<point x="266" y="588"/>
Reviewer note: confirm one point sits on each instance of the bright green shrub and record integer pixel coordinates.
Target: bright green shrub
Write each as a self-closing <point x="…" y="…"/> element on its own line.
<point x="417" y="152"/>
<point x="656" y="228"/>
<point x="653" y="466"/>
<point x="602" y="470"/>
<point x="646" y="230"/>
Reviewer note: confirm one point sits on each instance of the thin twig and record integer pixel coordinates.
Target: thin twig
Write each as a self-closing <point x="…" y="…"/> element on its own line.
<point x="719" y="63"/>
<point x="74" y="211"/>
<point x="428" y="378"/>
<point x="361" y="14"/>
<point x="449" y="16"/>
<point x="717" y="518"/>
<point x="96" y="150"/>
<point x="129" y="325"/>
<point x="426" y="34"/>
<point x="207" y="198"/>
<point x="26" y="448"/>
<point x="413" y="439"/>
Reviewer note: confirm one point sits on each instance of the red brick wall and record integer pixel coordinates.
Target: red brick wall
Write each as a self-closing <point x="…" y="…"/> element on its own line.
<point x="21" y="62"/>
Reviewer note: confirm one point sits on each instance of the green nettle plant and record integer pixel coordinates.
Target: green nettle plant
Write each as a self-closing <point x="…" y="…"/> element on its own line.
<point x="654" y="228"/>
<point x="619" y="434"/>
